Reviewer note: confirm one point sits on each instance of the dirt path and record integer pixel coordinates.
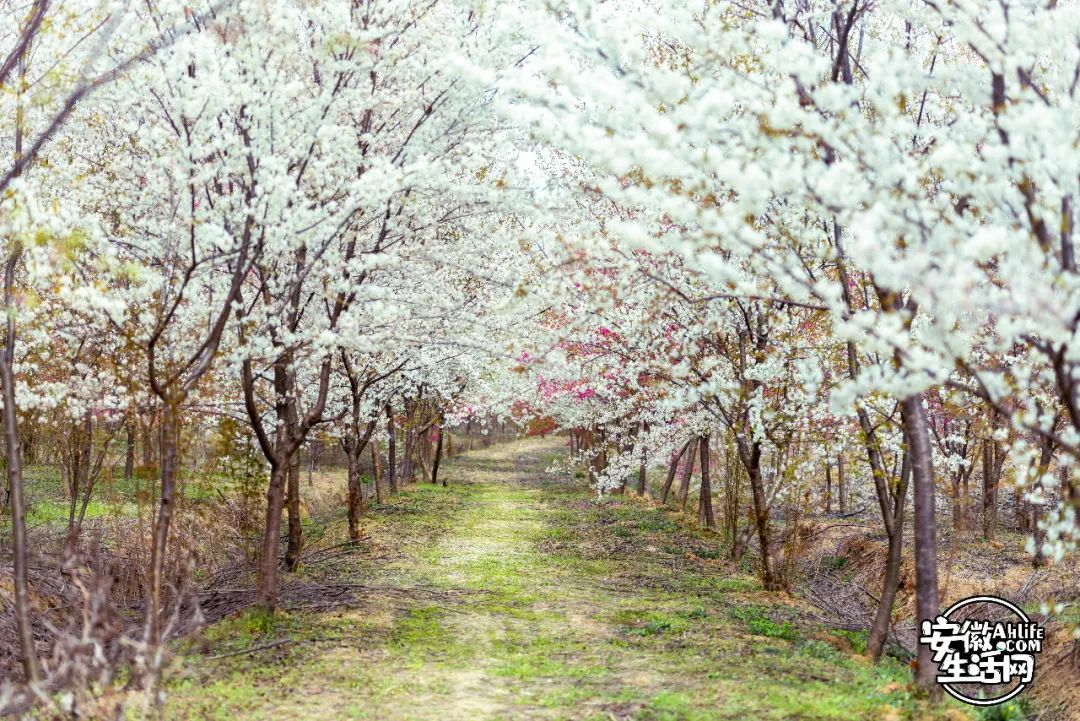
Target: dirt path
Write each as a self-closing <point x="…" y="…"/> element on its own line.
<point x="516" y="595"/>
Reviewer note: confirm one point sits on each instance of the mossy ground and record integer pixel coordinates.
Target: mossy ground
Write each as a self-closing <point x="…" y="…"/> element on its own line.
<point x="514" y="595"/>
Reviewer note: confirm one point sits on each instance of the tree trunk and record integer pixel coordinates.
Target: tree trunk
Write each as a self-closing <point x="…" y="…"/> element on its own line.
<point x="841" y="483"/>
<point x="957" y="509"/>
<point x="29" y="445"/>
<point x="965" y="497"/>
<point x="376" y="463"/>
<point x="879" y="629"/>
<point x="751" y="457"/>
<point x="423" y="454"/>
<point x="407" y="471"/>
<point x="1028" y="513"/>
<point x="705" y="500"/>
<point x="391" y="451"/>
<point x="81" y="443"/>
<point x="148" y="441"/>
<point x="169" y="435"/>
<point x="296" y="528"/>
<point x="129" y="455"/>
<point x="732" y="491"/>
<point x="71" y="458"/>
<point x="989" y="504"/>
<point x="21" y="583"/>
<point x="266" y="584"/>
<point x="673" y="468"/>
<point x="280" y="489"/>
<point x="828" y="487"/>
<point x="642" y="481"/>
<point x="592" y="456"/>
<point x="688" y="472"/>
<point x="891" y="500"/>
<point x="437" y="458"/>
<point x="23" y="623"/>
<point x="355" y="491"/>
<point x="926" y="582"/>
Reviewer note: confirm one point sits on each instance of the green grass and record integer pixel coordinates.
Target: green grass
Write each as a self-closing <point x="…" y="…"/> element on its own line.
<point x="857" y="639"/>
<point x="510" y="595"/>
<point x="759" y="623"/>
<point x="113" y="496"/>
<point x="643" y="622"/>
<point x="1016" y="710"/>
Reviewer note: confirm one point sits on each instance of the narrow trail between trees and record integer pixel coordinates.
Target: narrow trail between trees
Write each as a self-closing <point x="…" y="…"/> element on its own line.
<point x="514" y="594"/>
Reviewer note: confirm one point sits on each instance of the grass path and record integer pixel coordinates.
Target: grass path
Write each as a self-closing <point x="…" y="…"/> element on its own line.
<point x="514" y="595"/>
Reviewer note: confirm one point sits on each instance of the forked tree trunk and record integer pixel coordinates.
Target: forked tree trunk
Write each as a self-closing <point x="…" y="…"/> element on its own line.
<point x="597" y="455"/>
<point x="673" y="468"/>
<point x="282" y="463"/>
<point x="890" y="500"/>
<point x="354" y="449"/>
<point x="72" y="459"/>
<point x="79" y="483"/>
<point x="284" y="487"/>
<point x="926" y="582"/>
<point x="879" y="628"/>
<point x="750" y="454"/>
<point x="169" y="434"/>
